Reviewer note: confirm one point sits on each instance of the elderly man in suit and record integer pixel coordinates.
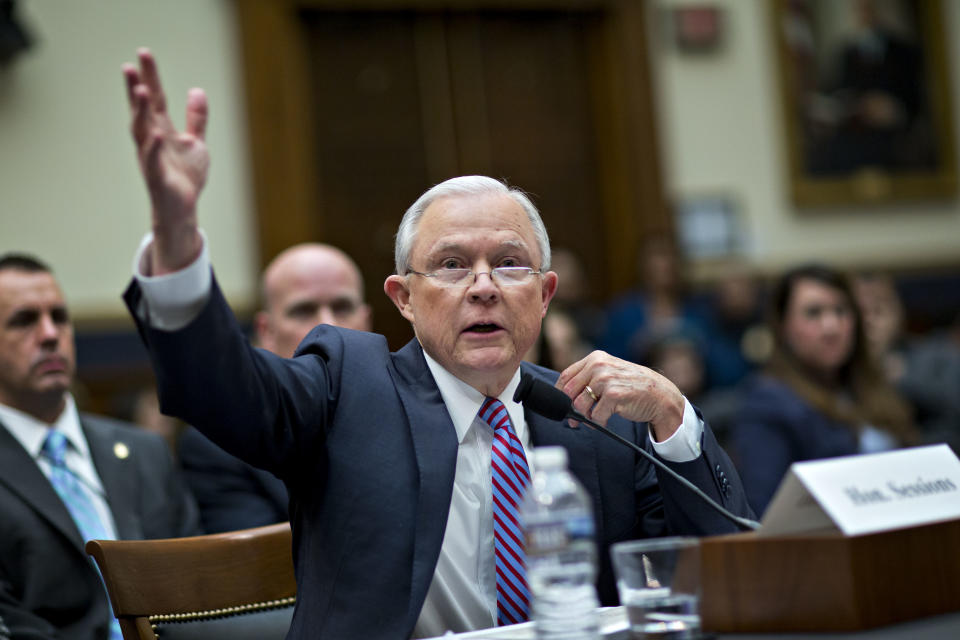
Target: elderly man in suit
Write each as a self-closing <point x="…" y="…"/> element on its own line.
<point x="66" y="477"/>
<point x="305" y="285"/>
<point x="387" y="456"/>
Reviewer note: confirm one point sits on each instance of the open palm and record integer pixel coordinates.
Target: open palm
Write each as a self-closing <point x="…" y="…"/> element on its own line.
<point x="174" y="163"/>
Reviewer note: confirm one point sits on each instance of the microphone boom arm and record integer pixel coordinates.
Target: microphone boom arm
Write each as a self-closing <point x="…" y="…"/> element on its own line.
<point x="745" y="524"/>
<point x="543" y="399"/>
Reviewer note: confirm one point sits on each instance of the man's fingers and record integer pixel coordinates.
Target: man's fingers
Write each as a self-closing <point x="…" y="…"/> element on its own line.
<point x="570" y="372"/>
<point x="196" y="113"/>
<point x="131" y="79"/>
<point x="602" y="411"/>
<point x="151" y="77"/>
<point x="140" y="126"/>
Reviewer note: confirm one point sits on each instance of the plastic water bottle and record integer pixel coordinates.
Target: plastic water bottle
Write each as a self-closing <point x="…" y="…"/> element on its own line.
<point x="561" y="552"/>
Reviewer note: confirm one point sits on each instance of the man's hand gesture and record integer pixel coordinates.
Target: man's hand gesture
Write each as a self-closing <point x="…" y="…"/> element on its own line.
<point x="174" y="164"/>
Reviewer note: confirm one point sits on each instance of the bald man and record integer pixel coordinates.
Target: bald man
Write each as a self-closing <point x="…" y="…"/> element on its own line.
<point x="305" y="285"/>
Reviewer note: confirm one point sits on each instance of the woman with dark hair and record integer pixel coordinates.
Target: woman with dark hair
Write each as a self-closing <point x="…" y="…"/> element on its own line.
<point x="821" y="395"/>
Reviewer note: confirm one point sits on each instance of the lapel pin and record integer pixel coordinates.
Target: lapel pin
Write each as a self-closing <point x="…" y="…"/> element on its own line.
<point x="121" y="450"/>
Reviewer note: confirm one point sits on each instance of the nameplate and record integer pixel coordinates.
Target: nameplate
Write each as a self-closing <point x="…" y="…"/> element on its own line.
<point x="867" y="493"/>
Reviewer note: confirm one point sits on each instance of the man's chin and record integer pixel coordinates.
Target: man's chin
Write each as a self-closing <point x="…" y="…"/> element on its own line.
<point x="53" y="386"/>
<point x="489" y="359"/>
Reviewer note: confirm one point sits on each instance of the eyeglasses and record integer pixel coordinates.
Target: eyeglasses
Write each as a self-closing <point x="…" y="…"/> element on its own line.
<point x="501" y="276"/>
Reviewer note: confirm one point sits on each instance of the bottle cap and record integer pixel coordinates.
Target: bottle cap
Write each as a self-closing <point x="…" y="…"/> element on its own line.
<point x="549" y="457"/>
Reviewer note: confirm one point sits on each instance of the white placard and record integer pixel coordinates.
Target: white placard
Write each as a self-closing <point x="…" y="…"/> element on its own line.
<point x="867" y="493"/>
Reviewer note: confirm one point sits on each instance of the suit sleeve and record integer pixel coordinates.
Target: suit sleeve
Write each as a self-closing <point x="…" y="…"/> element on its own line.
<point x="714" y="474"/>
<point x="266" y="410"/>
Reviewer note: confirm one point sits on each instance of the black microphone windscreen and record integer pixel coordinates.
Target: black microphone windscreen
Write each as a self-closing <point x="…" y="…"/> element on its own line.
<point x="541" y="398"/>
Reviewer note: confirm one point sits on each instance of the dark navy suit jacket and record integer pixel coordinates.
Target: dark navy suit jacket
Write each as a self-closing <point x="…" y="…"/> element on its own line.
<point x="231" y="494"/>
<point x="49" y="586"/>
<point x="366" y="447"/>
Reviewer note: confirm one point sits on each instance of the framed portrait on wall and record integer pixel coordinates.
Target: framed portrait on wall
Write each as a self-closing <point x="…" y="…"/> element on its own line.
<point x="866" y="100"/>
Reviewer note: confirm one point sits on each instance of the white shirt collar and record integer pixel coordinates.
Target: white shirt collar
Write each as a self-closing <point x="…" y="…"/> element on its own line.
<point x="463" y="401"/>
<point x="31" y="432"/>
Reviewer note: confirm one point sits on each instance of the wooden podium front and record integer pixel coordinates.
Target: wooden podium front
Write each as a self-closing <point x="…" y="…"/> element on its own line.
<point x="828" y="582"/>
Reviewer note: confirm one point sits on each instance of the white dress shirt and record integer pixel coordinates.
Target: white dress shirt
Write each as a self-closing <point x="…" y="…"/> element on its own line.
<point x="463" y="593"/>
<point x="31" y="434"/>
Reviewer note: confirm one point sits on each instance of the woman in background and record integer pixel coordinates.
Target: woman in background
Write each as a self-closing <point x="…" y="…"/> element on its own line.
<point x="821" y="395"/>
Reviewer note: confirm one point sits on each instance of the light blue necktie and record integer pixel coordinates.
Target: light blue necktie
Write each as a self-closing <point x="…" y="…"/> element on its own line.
<point x="511" y="476"/>
<point x="78" y="503"/>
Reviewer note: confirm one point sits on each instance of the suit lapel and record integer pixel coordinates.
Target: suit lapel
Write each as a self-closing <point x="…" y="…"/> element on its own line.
<point x="581" y="446"/>
<point x="20" y="473"/>
<point x="107" y="445"/>
<point x="435" y="447"/>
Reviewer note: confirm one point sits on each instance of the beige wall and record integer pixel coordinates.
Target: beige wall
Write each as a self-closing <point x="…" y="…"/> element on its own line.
<point x="722" y="132"/>
<point x="70" y="190"/>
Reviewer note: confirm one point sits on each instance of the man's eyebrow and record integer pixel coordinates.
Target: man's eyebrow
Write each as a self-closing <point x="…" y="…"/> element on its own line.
<point x="446" y="246"/>
<point x="459" y="247"/>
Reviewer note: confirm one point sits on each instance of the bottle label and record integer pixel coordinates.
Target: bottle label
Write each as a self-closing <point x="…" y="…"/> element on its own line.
<point x="556" y="535"/>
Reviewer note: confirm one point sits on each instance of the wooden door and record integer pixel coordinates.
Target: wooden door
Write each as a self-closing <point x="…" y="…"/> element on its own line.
<point x="394" y="100"/>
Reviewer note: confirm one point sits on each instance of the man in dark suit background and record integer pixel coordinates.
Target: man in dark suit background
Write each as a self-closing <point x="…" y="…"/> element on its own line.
<point x="127" y="484"/>
<point x="386" y="455"/>
<point x="305" y="285"/>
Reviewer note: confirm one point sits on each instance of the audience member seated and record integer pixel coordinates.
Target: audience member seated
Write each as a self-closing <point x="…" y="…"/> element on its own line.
<point x="925" y="369"/>
<point x="679" y="356"/>
<point x="559" y="344"/>
<point x="66" y="477"/>
<point x="821" y="394"/>
<point x="883" y="322"/>
<point x="736" y="338"/>
<point x="661" y="304"/>
<point x="932" y="383"/>
<point x="575" y="300"/>
<point x="305" y="285"/>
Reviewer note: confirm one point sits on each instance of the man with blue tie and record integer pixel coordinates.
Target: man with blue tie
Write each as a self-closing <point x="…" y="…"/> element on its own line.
<point x="66" y="477"/>
<point x="389" y="457"/>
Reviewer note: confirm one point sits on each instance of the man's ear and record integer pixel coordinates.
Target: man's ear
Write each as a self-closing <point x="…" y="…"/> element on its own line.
<point x="397" y="290"/>
<point x="548" y="290"/>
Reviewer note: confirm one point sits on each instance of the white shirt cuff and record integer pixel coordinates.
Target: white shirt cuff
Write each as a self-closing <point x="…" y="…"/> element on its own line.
<point x="684" y="444"/>
<point x="173" y="300"/>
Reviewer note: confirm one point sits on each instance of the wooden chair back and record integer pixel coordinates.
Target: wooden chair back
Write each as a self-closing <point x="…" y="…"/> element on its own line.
<point x="237" y="584"/>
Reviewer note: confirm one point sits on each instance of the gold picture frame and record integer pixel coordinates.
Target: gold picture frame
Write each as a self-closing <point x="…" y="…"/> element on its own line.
<point x="866" y="101"/>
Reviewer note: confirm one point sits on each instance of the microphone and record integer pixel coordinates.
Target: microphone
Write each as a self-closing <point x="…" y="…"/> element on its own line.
<point x="551" y="403"/>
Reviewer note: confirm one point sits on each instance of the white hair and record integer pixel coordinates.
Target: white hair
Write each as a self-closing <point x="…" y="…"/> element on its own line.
<point x="464" y="186"/>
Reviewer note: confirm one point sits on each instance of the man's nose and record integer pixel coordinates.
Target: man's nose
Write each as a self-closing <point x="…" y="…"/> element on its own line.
<point x="49" y="329"/>
<point x="325" y="315"/>
<point x="483" y="287"/>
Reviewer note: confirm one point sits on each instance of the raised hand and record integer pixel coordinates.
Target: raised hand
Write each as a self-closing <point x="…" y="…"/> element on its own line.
<point x="602" y="385"/>
<point x="174" y="164"/>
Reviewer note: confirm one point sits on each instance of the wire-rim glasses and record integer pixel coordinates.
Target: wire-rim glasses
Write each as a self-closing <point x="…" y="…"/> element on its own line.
<point x="501" y="276"/>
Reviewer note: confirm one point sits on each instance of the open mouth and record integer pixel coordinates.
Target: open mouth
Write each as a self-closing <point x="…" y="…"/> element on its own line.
<point x="483" y="328"/>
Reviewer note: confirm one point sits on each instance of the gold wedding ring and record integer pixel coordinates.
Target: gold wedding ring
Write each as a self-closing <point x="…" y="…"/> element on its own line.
<point x="592" y="394"/>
